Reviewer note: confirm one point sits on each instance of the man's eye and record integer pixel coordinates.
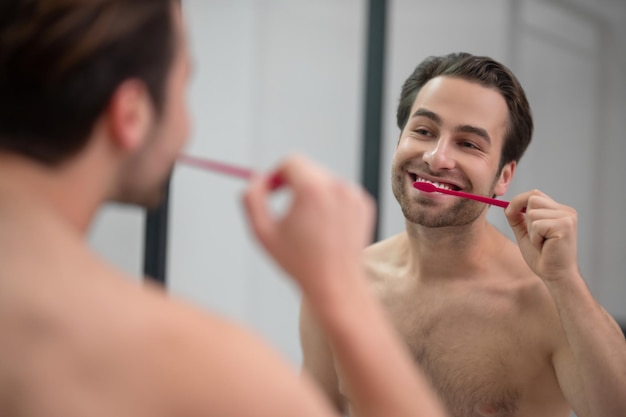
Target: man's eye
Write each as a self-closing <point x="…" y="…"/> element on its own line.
<point x="469" y="145"/>
<point x="423" y="132"/>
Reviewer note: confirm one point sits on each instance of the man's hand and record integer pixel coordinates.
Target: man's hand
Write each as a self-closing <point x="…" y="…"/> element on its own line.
<point x="546" y="234"/>
<point x="323" y="232"/>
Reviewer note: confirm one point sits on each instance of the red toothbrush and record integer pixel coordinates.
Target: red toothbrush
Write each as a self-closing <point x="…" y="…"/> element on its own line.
<point x="227" y="169"/>
<point x="431" y="188"/>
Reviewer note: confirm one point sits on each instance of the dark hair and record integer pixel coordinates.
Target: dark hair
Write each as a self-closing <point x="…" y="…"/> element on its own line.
<point x="486" y="72"/>
<point x="61" y="61"/>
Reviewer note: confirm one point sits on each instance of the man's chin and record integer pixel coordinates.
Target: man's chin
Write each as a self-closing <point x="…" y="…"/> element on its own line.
<point x="431" y="214"/>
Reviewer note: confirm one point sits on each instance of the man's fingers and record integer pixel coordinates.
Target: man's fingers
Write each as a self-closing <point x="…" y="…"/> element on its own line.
<point x="257" y="210"/>
<point x="537" y="204"/>
<point x="515" y="217"/>
<point x="544" y="213"/>
<point x="297" y="171"/>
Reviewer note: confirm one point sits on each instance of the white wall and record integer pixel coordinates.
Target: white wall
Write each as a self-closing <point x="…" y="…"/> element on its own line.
<point x="610" y="195"/>
<point x="274" y="76"/>
<point x="117" y="234"/>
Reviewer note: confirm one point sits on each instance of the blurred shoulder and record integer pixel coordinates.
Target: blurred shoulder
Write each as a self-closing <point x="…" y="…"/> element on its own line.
<point x="206" y="364"/>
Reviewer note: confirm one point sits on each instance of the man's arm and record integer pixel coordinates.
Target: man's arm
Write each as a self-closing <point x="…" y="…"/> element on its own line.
<point x="591" y="368"/>
<point x="319" y="242"/>
<point x="317" y="357"/>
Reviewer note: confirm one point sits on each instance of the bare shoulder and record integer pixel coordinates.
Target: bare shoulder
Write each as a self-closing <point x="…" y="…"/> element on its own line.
<point x="383" y="259"/>
<point x="508" y="259"/>
<point x="381" y="249"/>
<point x="528" y="294"/>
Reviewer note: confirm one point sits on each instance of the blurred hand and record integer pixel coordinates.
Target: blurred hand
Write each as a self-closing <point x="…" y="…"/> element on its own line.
<point x="546" y="234"/>
<point x="321" y="236"/>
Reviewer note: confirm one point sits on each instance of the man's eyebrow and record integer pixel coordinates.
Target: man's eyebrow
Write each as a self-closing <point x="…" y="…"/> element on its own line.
<point x="427" y="113"/>
<point x="478" y="131"/>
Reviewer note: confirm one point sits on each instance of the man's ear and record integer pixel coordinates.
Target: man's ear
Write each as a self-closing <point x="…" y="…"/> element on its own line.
<point x="130" y="115"/>
<point x="506" y="175"/>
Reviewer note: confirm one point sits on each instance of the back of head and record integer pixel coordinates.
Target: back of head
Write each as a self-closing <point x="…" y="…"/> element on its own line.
<point x="61" y="61"/>
<point x="486" y="72"/>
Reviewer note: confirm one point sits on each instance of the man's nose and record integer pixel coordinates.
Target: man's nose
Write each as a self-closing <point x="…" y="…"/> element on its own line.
<point x="440" y="156"/>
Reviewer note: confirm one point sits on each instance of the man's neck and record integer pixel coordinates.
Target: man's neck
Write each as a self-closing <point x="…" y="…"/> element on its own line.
<point x="68" y="192"/>
<point x="451" y="252"/>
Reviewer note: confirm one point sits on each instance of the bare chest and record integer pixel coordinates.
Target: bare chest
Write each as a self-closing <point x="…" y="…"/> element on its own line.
<point x="478" y="357"/>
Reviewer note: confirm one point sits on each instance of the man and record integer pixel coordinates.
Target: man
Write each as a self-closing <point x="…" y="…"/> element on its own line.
<point x="493" y="336"/>
<point x="92" y="109"/>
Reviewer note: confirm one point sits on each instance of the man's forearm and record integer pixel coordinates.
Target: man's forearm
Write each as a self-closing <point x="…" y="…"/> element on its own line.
<point x="597" y="344"/>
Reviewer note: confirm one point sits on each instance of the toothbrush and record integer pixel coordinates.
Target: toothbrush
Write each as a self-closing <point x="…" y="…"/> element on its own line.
<point x="431" y="188"/>
<point x="226" y="169"/>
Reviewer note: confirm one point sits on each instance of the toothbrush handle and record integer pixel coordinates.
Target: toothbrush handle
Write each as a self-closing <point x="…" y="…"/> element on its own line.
<point x="486" y="200"/>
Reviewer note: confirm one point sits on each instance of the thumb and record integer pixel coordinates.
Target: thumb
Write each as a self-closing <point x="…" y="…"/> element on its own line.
<point x="257" y="211"/>
<point x="516" y="217"/>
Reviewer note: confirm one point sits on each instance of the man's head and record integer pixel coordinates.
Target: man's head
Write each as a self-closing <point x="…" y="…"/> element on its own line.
<point x="465" y="122"/>
<point x="71" y="69"/>
<point x="486" y="72"/>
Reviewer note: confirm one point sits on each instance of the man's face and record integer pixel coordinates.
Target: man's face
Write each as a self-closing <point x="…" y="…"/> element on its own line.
<point x="152" y="165"/>
<point x="453" y="137"/>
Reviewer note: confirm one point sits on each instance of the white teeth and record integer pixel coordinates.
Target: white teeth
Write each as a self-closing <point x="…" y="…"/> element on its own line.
<point x="436" y="184"/>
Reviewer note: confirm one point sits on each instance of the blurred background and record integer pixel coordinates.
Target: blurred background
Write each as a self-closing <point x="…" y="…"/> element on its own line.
<point x="323" y="78"/>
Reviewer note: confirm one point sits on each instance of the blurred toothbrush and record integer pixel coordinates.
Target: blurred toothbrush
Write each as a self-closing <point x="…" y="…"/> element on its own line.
<point x="226" y="169"/>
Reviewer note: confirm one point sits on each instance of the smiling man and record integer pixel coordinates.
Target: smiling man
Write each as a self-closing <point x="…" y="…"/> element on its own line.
<point x="495" y="336"/>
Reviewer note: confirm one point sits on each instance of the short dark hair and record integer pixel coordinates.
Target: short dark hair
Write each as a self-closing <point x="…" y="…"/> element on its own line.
<point x="486" y="72"/>
<point x="61" y="61"/>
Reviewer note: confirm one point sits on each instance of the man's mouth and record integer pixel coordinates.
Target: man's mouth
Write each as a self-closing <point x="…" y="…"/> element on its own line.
<point x="437" y="184"/>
